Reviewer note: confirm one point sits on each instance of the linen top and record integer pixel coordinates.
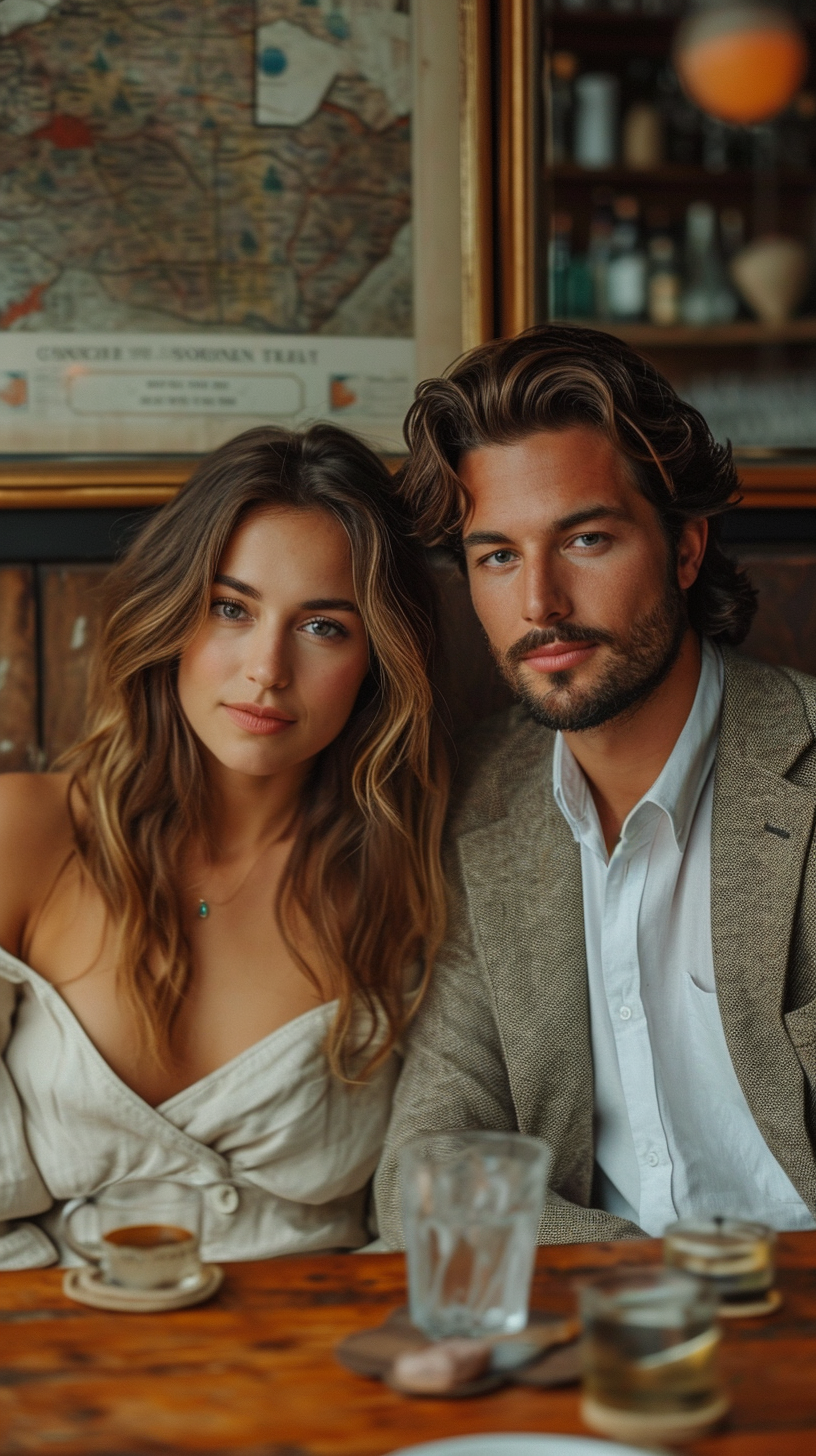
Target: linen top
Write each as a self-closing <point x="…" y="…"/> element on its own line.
<point x="282" y="1149"/>
<point x="674" y="1135"/>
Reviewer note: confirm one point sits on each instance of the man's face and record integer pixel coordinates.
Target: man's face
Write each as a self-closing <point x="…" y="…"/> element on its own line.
<point x="572" y="576"/>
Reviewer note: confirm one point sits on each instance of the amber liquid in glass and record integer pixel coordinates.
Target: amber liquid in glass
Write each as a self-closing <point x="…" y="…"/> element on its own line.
<point x="150" y="1256"/>
<point x="651" y="1369"/>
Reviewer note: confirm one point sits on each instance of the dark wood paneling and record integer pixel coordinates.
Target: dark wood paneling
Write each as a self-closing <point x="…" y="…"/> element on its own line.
<point x="784" y="630"/>
<point x="468" y="678"/>
<point x="18" y="670"/>
<point x="71" y="608"/>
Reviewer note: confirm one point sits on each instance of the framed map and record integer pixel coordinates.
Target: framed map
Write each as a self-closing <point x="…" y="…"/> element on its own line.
<point x="205" y="220"/>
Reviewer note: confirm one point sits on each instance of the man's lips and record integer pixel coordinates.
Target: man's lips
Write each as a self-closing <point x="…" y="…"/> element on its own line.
<point x="558" y="656"/>
<point x="254" y="719"/>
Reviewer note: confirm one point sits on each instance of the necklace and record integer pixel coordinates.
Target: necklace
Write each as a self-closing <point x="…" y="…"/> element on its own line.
<point x="204" y="906"/>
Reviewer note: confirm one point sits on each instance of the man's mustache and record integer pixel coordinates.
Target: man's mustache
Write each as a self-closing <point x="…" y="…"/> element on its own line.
<point x="548" y="636"/>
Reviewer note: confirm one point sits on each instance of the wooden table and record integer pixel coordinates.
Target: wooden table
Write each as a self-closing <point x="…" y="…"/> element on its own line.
<point x="253" y="1371"/>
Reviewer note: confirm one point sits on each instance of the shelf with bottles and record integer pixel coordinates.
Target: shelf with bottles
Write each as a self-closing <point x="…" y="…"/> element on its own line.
<point x="606" y="111"/>
<point x="618" y="267"/>
<point x="658" y="215"/>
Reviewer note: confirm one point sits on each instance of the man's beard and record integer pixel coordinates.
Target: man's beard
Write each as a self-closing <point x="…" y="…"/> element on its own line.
<point x="639" y="663"/>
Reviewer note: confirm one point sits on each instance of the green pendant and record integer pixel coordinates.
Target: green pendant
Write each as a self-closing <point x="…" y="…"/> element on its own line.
<point x="203" y="909"/>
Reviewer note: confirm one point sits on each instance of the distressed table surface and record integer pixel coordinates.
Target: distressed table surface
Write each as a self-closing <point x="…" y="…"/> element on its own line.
<point x="253" y="1371"/>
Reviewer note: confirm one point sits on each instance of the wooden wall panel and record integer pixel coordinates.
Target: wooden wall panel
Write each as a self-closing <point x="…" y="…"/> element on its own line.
<point x="784" y="632"/>
<point x="784" y="629"/>
<point x="71" y="606"/>
<point x="18" y="670"/>
<point x="468" y="677"/>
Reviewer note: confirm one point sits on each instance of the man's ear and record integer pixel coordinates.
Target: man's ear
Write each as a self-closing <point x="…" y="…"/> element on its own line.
<point x="690" y="551"/>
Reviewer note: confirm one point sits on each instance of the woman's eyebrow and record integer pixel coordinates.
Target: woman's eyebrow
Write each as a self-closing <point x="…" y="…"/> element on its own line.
<point x="240" y="586"/>
<point x="328" y="604"/>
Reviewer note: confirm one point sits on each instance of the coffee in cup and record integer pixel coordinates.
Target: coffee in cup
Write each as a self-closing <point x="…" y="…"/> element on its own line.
<point x="145" y="1234"/>
<point x="150" y="1256"/>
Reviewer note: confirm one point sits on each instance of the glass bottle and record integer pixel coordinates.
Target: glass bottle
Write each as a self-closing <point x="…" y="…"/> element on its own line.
<point x="600" y="242"/>
<point x="596" y="120"/>
<point x="708" y="297"/>
<point x="626" y="274"/>
<point x="559" y="265"/>
<point x="682" y="120"/>
<point x="665" y="282"/>
<point x="561" y="72"/>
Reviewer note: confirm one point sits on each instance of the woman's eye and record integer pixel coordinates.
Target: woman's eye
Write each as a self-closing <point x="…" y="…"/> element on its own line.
<point x="228" y="611"/>
<point x="322" y="627"/>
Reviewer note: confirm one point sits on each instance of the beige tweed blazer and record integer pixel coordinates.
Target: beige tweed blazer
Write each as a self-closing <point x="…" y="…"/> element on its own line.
<point x="502" y="1040"/>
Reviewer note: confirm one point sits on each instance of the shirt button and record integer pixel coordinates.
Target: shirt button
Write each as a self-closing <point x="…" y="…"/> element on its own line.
<point x="223" y="1198"/>
<point x="652" y="1159"/>
<point x="625" y="1013"/>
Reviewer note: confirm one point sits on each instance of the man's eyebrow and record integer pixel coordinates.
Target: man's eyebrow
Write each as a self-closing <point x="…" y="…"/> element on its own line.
<point x="566" y="523"/>
<point x="328" y="604"/>
<point x="486" y="538"/>
<point x="591" y="513"/>
<point x="240" y="586"/>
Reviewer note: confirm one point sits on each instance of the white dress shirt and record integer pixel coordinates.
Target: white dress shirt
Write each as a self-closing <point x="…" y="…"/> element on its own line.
<point x="674" y="1136"/>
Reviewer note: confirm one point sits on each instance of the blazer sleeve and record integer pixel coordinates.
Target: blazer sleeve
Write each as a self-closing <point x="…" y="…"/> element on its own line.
<point x="454" y="1077"/>
<point x="23" y="1193"/>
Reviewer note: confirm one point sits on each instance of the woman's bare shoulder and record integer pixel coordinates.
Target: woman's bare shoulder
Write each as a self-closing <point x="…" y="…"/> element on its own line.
<point x="36" y="834"/>
<point x="37" y="795"/>
<point x="33" y="809"/>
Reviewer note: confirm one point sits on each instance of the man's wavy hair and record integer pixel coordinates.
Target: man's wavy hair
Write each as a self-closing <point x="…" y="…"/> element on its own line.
<point x="554" y="376"/>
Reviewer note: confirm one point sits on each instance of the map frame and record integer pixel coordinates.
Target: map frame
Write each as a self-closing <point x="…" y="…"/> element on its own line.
<point x="365" y="368"/>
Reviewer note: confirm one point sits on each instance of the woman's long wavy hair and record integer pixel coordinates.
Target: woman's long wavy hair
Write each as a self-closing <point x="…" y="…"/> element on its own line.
<point x="364" y="870"/>
<point x="556" y="375"/>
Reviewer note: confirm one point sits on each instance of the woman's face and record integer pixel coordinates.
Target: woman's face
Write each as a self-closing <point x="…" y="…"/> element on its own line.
<point x="272" y="676"/>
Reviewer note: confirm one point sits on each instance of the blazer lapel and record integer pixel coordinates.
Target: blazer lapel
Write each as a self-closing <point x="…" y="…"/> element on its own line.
<point x="761" y="835"/>
<point x="523" y="880"/>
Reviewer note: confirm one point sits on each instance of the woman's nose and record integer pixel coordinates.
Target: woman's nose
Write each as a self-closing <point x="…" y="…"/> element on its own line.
<point x="271" y="667"/>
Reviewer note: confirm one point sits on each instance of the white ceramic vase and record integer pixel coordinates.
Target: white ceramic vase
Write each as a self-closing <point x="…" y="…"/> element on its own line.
<point x="772" y="276"/>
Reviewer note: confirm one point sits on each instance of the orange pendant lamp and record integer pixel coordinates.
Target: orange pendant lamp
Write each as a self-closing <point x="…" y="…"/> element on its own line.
<point x="741" y="61"/>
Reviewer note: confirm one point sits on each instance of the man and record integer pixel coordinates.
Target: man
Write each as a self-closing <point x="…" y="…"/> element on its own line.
<point x="630" y="970"/>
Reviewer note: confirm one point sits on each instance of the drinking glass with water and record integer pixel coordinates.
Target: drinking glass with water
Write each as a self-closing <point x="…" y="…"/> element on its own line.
<point x="471" y="1204"/>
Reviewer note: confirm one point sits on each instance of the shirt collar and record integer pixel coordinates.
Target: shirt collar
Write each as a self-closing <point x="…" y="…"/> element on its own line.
<point x="677" y="789"/>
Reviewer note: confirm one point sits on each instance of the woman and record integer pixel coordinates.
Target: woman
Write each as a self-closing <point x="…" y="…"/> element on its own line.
<point x="217" y="920"/>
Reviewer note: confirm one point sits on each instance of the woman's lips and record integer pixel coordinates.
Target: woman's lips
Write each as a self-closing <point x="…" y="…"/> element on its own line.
<point x="263" y="721"/>
<point x="559" y="656"/>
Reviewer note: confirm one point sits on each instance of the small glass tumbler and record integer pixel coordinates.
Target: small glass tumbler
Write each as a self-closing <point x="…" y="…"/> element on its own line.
<point x="471" y="1204"/>
<point x="140" y="1234"/>
<point x="650" y="1356"/>
<point x="735" y="1257"/>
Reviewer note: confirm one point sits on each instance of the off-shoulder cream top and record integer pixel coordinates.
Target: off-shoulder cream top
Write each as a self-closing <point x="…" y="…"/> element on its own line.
<point x="282" y="1150"/>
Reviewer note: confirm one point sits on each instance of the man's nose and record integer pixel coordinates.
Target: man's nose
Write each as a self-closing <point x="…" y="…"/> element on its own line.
<point x="544" y="597"/>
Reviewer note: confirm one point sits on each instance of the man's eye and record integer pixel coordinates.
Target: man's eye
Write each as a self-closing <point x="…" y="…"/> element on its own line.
<point x="228" y="611"/>
<point x="500" y="558"/>
<point x="590" y="538"/>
